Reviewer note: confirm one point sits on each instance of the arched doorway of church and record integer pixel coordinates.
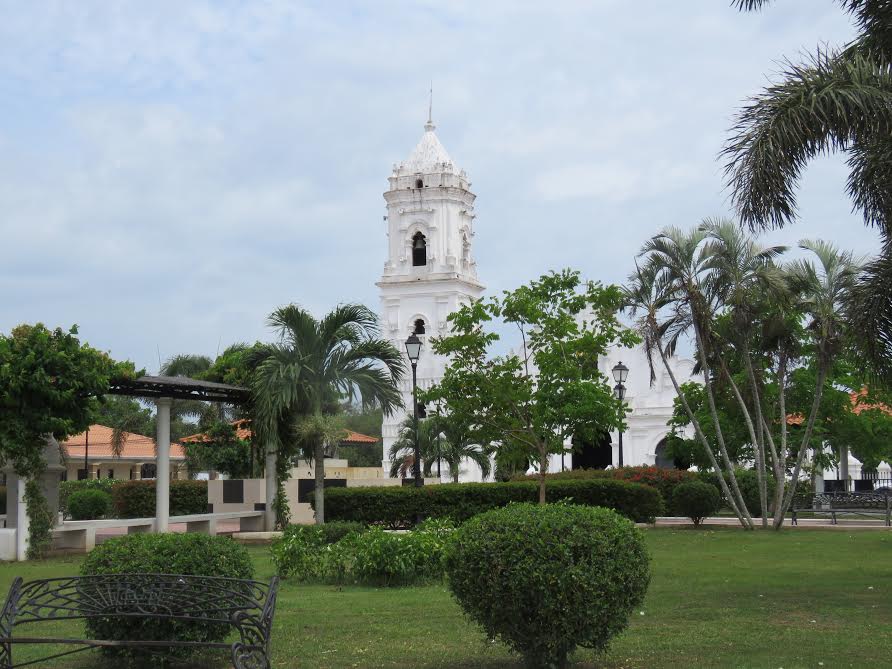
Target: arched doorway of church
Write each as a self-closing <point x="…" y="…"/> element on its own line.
<point x="592" y="454"/>
<point x="663" y="461"/>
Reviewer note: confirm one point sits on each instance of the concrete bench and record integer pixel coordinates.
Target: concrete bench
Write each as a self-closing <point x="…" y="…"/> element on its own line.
<point x="81" y="534"/>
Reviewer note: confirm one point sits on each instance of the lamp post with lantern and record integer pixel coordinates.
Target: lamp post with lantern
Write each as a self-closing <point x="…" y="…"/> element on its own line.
<point x="413" y="351"/>
<point x="620" y="374"/>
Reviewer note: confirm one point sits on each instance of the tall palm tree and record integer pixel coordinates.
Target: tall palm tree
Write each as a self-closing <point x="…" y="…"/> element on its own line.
<point x="439" y="438"/>
<point x="314" y="364"/>
<point x="680" y="261"/>
<point x="743" y="274"/>
<point x="660" y="323"/>
<point x="839" y="100"/>
<point x="824" y="288"/>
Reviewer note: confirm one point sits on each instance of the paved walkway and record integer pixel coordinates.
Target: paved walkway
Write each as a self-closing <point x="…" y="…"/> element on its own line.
<point x="804" y="523"/>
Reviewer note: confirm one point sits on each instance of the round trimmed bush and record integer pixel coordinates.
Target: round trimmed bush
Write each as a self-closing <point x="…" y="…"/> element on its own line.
<point x="696" y="500"/>
<point x="89" y="504"/>
<point x="546" y="578"/>
<point x="191" y="554"/>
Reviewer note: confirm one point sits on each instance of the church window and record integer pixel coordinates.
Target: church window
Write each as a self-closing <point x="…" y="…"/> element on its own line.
<point x="419" y="183"/>
<point x="419" y="327"/>
<point x="419" y="250"/>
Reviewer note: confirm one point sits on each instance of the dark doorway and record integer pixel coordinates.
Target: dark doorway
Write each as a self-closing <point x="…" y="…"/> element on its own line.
<point x="592" y="455"/>
<point x="663" y="461"/>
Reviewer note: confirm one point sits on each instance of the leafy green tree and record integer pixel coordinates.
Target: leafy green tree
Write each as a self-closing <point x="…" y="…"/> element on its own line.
<point x="315" y="365"/>
<point x="126" y="413"/>
<point x="222" y="451"/>
<point x="840" y="99"/>
<point x="49" y="382"/>
<point x="531" y="403"/>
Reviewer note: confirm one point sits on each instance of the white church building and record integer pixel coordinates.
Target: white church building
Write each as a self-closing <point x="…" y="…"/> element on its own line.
<point x="430" y="271"/>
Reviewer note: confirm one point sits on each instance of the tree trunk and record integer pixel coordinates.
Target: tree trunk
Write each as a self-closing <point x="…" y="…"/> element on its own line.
<point x="803" y="447"/>
<point x="780" y="493"/>
<point x="543" y="469"/>
<point x="757" y="446"/>
<point x="319" y="476"/>
<point x="707" y="384"/>
<point x="702" y="437"/>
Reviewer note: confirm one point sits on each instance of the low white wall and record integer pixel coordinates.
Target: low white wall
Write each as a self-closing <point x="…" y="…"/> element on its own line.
<point x="7" y="545"/>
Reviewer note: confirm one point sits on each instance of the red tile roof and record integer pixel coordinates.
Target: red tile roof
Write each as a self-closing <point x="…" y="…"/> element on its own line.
<point x="243" y="431"/>
<point x="136" y="446"/>
<point x="858" y="405"/>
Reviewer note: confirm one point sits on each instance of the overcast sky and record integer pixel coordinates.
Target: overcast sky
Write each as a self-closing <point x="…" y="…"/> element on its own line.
<point x="170" y="172"/>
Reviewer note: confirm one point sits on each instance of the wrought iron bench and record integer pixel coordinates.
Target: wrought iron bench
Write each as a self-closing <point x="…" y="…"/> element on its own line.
<point x="245" y="606"/>
<point x="840" y="503"/>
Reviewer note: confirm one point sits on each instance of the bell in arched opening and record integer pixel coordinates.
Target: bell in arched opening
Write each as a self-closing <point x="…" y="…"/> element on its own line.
<point x="419" y="250"/>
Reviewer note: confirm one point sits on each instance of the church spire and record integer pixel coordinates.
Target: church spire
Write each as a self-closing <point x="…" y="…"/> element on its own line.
<point x="430" y="111"/>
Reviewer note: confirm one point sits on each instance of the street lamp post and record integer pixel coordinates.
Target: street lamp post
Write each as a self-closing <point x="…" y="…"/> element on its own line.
<point x="439" y="454"/>
<point x="413" y="350"/>
<point x="620" y="374"/>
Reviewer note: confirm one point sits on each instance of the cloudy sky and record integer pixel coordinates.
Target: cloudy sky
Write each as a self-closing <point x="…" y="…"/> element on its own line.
<point x="170" y="172"/>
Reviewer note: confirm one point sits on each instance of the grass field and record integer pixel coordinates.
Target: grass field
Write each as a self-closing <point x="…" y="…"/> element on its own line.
<point x="718" y="598"/>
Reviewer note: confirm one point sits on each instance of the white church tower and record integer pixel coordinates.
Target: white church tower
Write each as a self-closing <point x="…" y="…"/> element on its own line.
<point x="430" y="270"/>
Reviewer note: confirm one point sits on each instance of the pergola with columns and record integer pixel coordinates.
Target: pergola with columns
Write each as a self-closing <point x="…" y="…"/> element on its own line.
<point x="163" y="390"/>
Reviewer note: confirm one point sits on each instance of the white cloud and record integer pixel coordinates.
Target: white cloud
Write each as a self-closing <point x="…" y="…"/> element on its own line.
<point x="171" y="172"/>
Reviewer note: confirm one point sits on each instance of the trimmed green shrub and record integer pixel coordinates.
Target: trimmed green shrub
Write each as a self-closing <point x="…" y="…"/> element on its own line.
<point x="749" y="488"/>
<point x="298" y="551"/>
<point x="89" y="504"/>
<point x="136" y="499"/>
<point x="696" y="500"/>
<point x="545" y="579"/>
<point x="663" y="480"/>
<point x="399" y="506"/>
<point x="192" y="554"/>
<point x="68" y="488"/>
<point x="370" y="557"/>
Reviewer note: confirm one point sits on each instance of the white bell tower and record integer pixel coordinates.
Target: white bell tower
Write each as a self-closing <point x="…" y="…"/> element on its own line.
<point x="430" y="270"/>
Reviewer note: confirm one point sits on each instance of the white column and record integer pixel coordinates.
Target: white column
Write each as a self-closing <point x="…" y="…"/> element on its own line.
<point x="21" y="522"/>
<point x="162" y="464"/>
<point x="269" y="516"/>
<point x="844" y="465"/>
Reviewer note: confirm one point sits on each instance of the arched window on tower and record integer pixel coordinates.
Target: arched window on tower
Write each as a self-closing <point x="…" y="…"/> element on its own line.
<point x="419" y="327"/>
<point x="419" y="250"/>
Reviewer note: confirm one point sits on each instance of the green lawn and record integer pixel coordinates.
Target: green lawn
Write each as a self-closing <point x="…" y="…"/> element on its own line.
<point x="719" y="598"/>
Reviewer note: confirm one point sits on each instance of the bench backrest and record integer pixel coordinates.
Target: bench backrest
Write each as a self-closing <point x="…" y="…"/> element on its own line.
<point x="852" y="500"/>
<point x="132" y="595"/>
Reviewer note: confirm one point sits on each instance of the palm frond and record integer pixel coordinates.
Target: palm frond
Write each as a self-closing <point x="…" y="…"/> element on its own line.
<point x="831" y="103"/>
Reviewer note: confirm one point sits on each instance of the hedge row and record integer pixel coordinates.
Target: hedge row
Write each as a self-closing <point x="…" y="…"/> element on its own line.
<point x="664" y="480"/>
<point x="136" y="499"/>
<point x="399" y="506"/>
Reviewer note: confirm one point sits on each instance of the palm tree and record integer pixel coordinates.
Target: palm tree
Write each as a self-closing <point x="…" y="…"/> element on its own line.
<point x="839" y="100"/>
<point x="439" y="438"/>
<point x="824" y="288"/>
<point x="681" y="264"/>
<point x="743" y="275"/>
<point x="315" y="364"/>
<point x="661" y="322"/>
